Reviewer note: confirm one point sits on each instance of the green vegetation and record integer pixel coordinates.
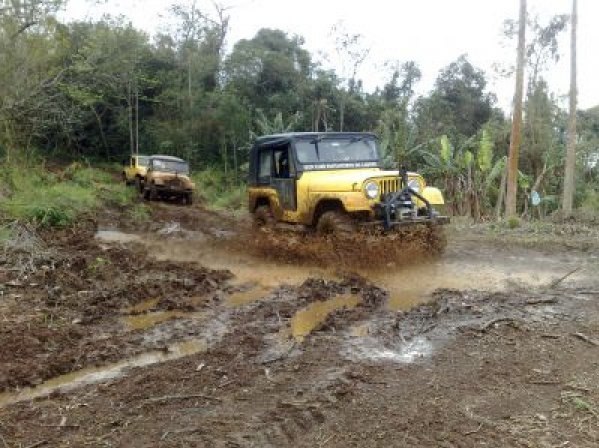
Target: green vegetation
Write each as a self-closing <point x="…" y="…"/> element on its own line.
<point x="58" y="199"/>
<point x="217" y="190"/>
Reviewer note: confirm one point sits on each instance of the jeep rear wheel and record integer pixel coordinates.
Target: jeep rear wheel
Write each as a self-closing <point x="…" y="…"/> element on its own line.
<point x="334" y="222"/>
<point x="263" y="216"/>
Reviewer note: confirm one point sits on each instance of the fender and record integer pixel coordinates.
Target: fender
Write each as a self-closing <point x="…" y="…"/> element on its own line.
<point x="433" y="195"/>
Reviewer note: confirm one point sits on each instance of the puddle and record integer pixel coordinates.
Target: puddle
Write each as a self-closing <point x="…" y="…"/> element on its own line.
<point x="148" y="320"/>
<point x="251" y="295"/>
<point x="99" y="374"/>
<point x="408" y="286"/>
<point x="142" y="307"/>
<point x="412" y="286"/>
<point x="114" y="236"/>
<point x="307" y="319"/>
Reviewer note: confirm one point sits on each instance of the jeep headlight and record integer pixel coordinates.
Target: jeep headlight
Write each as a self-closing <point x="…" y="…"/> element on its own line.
<point x="414" y="185"/>
<point x="371" y="190"/>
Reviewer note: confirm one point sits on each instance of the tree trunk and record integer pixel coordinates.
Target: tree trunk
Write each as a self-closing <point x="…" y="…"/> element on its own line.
<point x="568" y="198"/>
<point x="136" y="117"/>
<point x="499" y="205"/>
<point x="235" y="167"/>
<point x="516" y="135"/>
<point x="131" y="138"/>
<point x="342" y="112"/>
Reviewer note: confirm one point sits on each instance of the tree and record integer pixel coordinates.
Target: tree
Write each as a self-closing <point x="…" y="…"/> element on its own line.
<point x="457" y="107"/>
<point x="352" y="54"/>
<point x="395" y="127"/>
<point x="568" y="197"/>
<point x="516" y="135"/>
<point x="271" y="71"/>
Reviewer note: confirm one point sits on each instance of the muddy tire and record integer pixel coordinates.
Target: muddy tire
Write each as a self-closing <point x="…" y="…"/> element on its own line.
<point x="139" y="185"/>
<point x="263" y="216"/>
<point x="153" y="193"/>
<point x="335" y="222"/>
<point x="187" y="199"/>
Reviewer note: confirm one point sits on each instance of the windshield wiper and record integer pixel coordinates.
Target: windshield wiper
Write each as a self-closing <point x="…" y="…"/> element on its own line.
<point x="315" y="142"/>
<point x="357" y="139"/>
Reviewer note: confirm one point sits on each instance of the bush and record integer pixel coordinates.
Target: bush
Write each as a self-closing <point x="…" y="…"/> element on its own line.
<point x="513" y="222"/>
<point x="218" y="190"/>
<point x="58" y="199"/>
<point x="591" y="201"/>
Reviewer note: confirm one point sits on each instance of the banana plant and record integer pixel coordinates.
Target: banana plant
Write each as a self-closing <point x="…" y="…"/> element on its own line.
<point x="277" y="125"/>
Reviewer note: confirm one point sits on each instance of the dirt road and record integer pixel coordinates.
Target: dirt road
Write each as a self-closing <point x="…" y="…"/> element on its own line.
<point x="178" y="334"/>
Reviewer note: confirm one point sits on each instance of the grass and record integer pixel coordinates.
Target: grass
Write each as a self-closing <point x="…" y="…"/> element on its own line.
<point x="219" y="191"/>
<point x="6" y="234"/>
<point x="57" y="199"/>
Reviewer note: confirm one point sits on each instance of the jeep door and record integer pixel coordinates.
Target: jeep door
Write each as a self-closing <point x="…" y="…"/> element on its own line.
<point x="284" y="178"/>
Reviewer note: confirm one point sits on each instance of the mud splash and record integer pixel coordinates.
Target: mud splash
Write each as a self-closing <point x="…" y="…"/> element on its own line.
<point x="307" y="319"/>
<point x="406" y="353"/>
<point x="95" y="375"/>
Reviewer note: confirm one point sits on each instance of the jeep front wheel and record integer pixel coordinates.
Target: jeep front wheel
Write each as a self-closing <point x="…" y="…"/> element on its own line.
<point x="187" y="199"/>
<point x="263" y="216"/>
<point x="334" y="222"/>
<point x="139" y="185"/>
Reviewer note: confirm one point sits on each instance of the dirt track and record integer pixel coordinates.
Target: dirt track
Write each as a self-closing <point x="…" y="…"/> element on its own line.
<point x="179" y="335"/>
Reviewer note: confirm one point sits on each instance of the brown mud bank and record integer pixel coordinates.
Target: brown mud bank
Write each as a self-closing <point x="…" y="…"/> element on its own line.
<point x="64" y="293"/>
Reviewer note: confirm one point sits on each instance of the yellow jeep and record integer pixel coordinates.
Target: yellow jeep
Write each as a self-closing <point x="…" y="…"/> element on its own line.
<point x="134" y="170"/>
<point x="167" y="177"/>
<point x="334" y="182"/>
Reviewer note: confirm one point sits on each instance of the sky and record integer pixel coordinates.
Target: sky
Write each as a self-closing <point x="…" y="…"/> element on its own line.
<point x="431" y="32"/>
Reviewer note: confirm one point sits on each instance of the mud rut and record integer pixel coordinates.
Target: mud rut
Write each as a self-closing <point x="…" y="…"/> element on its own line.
<point x="125" y="339"/>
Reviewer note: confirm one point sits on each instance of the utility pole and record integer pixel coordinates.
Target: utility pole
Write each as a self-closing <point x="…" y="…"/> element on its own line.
<point x="570" y="169"/>
<point x="516" y="135"/>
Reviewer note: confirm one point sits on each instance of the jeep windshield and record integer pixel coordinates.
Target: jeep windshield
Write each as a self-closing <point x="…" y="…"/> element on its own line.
<point x="170" y="166"/>
<point x="338" y="152"/>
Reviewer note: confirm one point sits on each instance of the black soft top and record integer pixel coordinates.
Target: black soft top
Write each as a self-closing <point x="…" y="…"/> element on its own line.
<point x="288" y="136"/>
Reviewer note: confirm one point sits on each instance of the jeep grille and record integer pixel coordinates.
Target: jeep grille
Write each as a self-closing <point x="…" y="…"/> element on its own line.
<point x="389" y="185"/>
<point x="175" y="183"/>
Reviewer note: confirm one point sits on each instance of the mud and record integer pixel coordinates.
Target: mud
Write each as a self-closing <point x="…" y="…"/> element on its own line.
<point x="173" y="335"/>
<point x="372" y="248"/>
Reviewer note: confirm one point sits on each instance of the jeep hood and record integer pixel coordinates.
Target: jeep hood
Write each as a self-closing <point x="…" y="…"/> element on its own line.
<point x="344" y="180"/>
<point x="165" y="177"/>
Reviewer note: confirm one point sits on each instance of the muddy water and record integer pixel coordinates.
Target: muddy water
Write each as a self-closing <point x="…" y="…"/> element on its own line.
<point x="148" y="320"/>
<point x="99" y="374"/>
<point x="307" y="319"/>
<point x="251" y="294"/>
<point x="407" y="285"/>
<point x="114" y="236"/>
